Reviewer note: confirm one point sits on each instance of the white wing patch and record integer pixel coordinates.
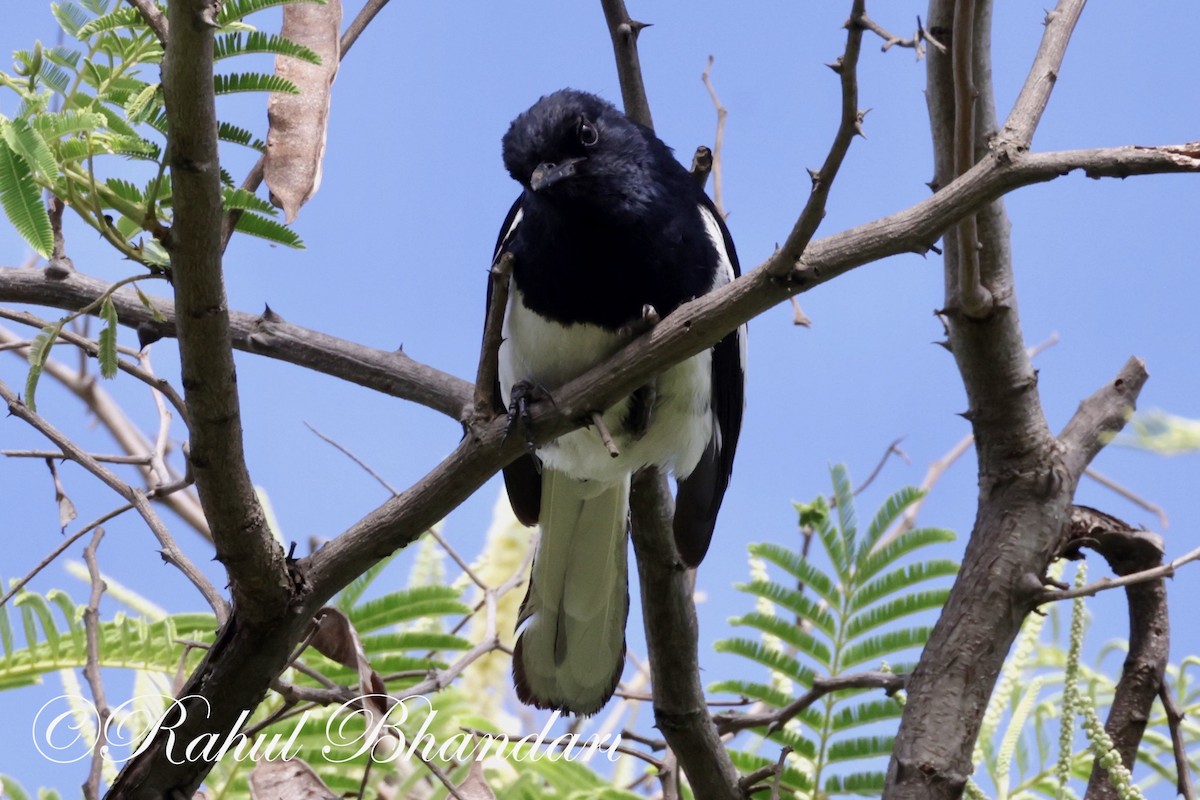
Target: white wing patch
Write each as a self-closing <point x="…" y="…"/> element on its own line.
<point x="724" y="270"/>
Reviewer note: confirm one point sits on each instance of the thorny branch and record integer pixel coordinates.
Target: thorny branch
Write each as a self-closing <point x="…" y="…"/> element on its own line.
<point x="135" y="497"/>
<point x="91" y="670"/>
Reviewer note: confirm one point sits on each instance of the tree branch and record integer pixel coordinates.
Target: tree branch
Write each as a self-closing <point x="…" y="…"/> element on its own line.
<point x="1026" y="480"/>
<point x="258" y="577"/>
<point x="154" y="18"/>
<point x="266" y="334"/>
<point x="680" y="711"/>
<point x="170" y="552"/>
<point x="624" y="31"/>
<point x="1128" y="552"/>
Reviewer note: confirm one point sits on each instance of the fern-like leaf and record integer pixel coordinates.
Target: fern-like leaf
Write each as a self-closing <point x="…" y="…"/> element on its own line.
<point x="234" y="10"/>
<point x="122" y="17"/>
<point x="392" y="609"/>
<point x="860" y="747"/>
<point x="790" y="633"/>
<point x="55" y="125"/>
<point x="39" y="351"/>
<point x="21" y="200"/>
<point x="843" y="494"/>
<point x="873" y="649"/>
<point x="862" y="784"/>
<point x="227" y="132"/>
<point x="269" y="229"/>
<point x="888" y="513"/>
<point x="892" y="610"/>
<point x="246" y="201"/>
<point x="70" y="18"/>
<point x="252" y="82"/>
<point x="108" y="339"/>
<point x="236" y="44"/>
<point x="868" y="712"/>
<point x="873" y="563"/>
<point x="25" y="140"/>
<point x="793" y="600"/>
<point x="800" y="568"/>
<point x="900" y="579"/>
<point x="769" y="658"/>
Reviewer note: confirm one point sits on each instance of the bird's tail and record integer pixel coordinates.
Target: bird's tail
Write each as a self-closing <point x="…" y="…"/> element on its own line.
<point x="571" y="652"/>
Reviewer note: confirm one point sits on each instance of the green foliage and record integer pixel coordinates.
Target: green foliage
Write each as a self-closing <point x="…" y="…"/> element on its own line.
<point x="97" y="98"/>
<point x="829" y="619"/>
<point x="1042" y="732"/>
<point x="85" y="104"/>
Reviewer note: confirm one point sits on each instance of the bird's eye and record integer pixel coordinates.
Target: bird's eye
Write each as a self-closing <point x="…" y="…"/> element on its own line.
<point x="588" y="135"/>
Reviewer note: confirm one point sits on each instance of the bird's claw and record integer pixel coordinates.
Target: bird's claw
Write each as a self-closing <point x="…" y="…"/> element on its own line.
<point x="642" y="324"/>
<point x="520" y="410"/>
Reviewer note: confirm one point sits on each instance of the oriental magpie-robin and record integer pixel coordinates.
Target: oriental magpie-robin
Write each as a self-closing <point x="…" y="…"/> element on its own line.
<point x="609" y="225"/>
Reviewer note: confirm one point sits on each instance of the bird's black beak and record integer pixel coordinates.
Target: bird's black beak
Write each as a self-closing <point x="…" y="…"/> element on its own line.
<point x="548" y="174"/>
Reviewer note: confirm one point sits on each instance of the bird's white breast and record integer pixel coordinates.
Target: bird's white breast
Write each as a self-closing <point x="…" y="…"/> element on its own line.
<point x="549" y="354"/>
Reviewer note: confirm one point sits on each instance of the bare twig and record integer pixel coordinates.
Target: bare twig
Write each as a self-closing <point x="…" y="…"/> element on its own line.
<point x="624" y="30"/>
<point x="974" y="299"/>
<point x="718" y="194"/>
<point x="154" y="18"/>
<point x="1183" y="783"/>
<point x="91" y="670"/>
<point x="445" y="545"/>
<point x="100" y="457"/>
<point x="892" y="449"/>
<point x="605" y="435"/>
<point x="1104" y="584"/>
<point x="1130" y="495"/>
<point x="137" y="498"/>
<point x="890" y="682"/>
<point x="890" y="40"/>
<point x="487" y="374"/>
<point x="66" y="543"/>
<point x="849" y="126"/>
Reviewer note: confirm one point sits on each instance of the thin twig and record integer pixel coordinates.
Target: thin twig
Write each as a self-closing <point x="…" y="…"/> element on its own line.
<point x="892" y="449"/>
<point x="91" y="669"/>
<point x="849" y="126"/>
<point x="1130" y="495"/>
<point x="66" y="543"/>
<point x="624" y="30"/>
<point x="974" y="298"/>
<point x="56" y="454"/>
<point x="487" y="373"/>
<point x="890" y="40"/>
<point x="1183" y="783"/>
<point x="718" y="194"/>
<point x="605" y="435"/>
<point x="346" y="452"/>
<point x="170" y="551"/>
<point x="154" y="18"/>
<point x="458" y="559"/>
<point x="888" y="681"/>
<point x="1104" y="584"/>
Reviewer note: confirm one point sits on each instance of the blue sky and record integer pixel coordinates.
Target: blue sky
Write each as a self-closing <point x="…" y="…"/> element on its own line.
<point x="400" y="235"/>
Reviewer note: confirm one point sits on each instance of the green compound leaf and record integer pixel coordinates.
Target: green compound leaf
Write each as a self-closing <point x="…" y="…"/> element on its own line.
<point x="22" y="202"/>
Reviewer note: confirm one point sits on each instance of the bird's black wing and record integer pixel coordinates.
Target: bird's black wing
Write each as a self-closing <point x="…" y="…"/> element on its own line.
<point x="700" y="493"/>
<point x="522" y="479"/>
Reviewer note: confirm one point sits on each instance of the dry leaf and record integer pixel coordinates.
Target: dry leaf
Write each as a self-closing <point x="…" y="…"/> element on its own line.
<point x="66" y="509"/>
<point x="293" y="779"/>
<point x="299" y="122"/>
<point x="474" y="787"/>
